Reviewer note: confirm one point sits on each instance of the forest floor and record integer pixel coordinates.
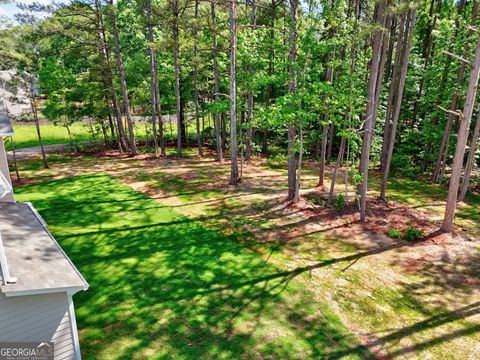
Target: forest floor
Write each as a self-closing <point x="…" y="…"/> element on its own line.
<point x="401" y="299"/>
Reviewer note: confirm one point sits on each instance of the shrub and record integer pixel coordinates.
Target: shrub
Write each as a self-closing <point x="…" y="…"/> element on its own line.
<point x="316" y="199"/>
<point x="394" y="233"/>
<point x="411" y="234"/>
<point x="339" y="202"/>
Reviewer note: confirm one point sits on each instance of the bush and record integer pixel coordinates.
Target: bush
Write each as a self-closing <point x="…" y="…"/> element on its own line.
<point x="394" y="233"/>
<point x="411" y="234"/>
<point x="339" y="202"/>
<point x="277" y="160"/>
<point x="316" y="199"/>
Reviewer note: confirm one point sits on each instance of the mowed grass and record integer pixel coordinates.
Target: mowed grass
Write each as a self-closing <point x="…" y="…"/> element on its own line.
<point x="26" y="135"/>
<point x="164" y="286"/>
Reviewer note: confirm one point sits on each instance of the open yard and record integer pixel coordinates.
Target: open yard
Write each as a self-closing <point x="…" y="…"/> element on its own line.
<point x="26" y="135"/>
<point x="181" y="265"/>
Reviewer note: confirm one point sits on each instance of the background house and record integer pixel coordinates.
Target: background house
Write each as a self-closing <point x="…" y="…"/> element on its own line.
<point x="37" y="279"/>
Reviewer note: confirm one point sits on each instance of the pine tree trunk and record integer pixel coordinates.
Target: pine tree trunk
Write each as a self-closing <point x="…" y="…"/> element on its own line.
<point x="37" y="127"/>
<point x="443" y="151"/>
<point x="233" y="96"/>
<point x="410" y="26"/>
<point x="392" y="93"/>
<point x="296" y="198"/>
<point x="183" y="120"/>
<point x="195" y="80"/>
<point x="216" y="95"/>
<point x="104" y="133"/>
<point x="470" y="160"/>
<point x="323" y="150"/>
<point x="271" y="71"/>
<point x="341" y="151"/>
<point x="248" y="149"/>
<point x="462" y="142"/>
<point x="292" y="58"/>
<point x="158" y="103"/>
<point x="176" y="61"/>
<point x="370" y="113"/>
<point x="123" y="83"/>
<point x="330" y="142"/>
<point x="426" y="50"/>
<point x="153" y="77"/>
<point x="109" y="115"/>
<point x="224" y="130"/>
<point x="105" y="53"/>
<point x="381" y="67"/>
<point x="391" y="46"/>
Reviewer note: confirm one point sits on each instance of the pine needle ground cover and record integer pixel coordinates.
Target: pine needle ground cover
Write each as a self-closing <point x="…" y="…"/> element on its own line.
<point x="164" y="286"/>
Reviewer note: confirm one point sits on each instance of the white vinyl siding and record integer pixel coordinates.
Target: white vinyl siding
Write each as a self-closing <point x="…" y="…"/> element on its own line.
<point x="38" y="318"/>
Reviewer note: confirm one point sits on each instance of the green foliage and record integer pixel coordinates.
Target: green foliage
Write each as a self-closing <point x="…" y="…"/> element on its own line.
<point x="394" y="233"/>
<point x="316" y="199"/>
<point x="339" y="202"/>
<point x="64" y="50"/>
<point x="412" y="234"/>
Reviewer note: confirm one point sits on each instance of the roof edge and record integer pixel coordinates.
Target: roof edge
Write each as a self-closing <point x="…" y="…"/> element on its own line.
<point x="69" y="290"/>
<point x="44" y="225"/>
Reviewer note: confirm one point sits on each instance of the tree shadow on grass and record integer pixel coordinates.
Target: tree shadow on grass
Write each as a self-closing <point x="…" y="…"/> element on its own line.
<point x="449" y="275"/>
<point x="165" y="286"/>
<point x="435" y="321"/>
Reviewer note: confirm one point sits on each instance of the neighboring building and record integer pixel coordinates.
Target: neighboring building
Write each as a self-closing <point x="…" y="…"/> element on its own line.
<point x="37" y="279"/>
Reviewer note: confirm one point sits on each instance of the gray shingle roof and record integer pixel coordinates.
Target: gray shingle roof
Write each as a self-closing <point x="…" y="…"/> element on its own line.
<point x="33" y="255"/>
<point x="6" y="128"/>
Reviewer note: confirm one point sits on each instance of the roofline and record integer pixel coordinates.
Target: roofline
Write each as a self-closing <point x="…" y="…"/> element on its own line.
<point x="69" y="290"/>
<point x="44" y="225"/>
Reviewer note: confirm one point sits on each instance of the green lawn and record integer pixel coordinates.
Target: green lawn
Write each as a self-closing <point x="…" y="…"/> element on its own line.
<point x="26" y="135"/>
<point x="164" y="286"/>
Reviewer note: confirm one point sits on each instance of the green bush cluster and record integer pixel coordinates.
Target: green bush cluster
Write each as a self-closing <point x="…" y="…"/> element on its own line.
<point x="339" y="202"/>
<point x="410" y="234"/>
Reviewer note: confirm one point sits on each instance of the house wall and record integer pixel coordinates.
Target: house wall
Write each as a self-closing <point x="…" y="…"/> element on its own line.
<point x="38" y="318"/>
<point x="4" y="169"/>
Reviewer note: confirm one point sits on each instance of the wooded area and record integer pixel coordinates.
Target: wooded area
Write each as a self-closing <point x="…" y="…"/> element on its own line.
<point x="389" y="84"/>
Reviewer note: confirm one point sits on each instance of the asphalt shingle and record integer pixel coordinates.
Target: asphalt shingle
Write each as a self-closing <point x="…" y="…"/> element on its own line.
<point x="33" y="255"/>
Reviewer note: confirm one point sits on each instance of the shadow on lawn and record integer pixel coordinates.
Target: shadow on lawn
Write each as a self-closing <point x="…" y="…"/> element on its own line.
<point x="164" y="286"/>
<point x="430" y="323"/>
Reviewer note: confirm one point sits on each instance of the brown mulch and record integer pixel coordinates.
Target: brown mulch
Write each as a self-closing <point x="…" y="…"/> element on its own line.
<point x="381" y="218"/>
